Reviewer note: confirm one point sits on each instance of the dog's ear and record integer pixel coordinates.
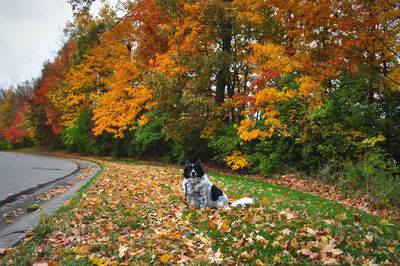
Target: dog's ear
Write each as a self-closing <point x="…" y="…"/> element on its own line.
<point x="199" y="162"/>
<point x="187" y="162"/>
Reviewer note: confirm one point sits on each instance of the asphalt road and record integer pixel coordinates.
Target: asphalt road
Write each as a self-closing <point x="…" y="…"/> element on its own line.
<point x="19" y="173"/>
<point x="25" y="179"/>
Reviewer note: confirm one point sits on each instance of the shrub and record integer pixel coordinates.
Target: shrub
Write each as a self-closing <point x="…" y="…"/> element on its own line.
<point x="225" y="142"/>
<point x="150" y="140"/>
<point x="375" y="175"/>
<point x="78" y="138"/>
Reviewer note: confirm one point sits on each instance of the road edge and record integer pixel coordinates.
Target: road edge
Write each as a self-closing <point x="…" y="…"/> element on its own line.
<point x="14" y="233"/>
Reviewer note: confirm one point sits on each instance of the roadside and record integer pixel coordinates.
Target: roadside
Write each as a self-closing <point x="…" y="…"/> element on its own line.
<point x="20" y="213"/>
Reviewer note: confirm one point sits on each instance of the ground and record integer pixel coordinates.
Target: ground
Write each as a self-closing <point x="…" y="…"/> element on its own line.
<point x="135" y="213"/>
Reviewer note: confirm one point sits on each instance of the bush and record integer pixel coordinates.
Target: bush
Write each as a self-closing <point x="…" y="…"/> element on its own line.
<point x="150" y="140"/>
<point x="78" y="138"/>
<point x="225" y="142"/>
<point x="5" y="145"/>
<point x="375" y="175"/>
<point x="276" y="155"/>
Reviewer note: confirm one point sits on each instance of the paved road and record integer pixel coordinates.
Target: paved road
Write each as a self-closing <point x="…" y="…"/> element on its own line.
<point x="21" y="172"/>
<point x="25" y="179"/>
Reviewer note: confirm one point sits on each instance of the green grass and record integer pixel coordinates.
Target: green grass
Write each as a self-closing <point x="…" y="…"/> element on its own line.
<point x="31" y="149"/>
<point x="281" y="226"/>
<point x="346" y="225"/>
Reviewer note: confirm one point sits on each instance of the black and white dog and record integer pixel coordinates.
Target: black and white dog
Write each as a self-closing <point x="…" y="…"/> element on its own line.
<point x="201" y="193"/>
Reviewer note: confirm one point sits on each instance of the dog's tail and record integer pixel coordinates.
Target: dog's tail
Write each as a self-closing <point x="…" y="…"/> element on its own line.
<point x="242" y="202"/>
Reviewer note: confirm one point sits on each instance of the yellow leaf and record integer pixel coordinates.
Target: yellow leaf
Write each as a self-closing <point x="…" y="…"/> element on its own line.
<point x="259" y="262"/>
<point x="247" y="255"/>
<point x="276" y="258"/>
<point x="28" y="239"/>
<point x="384" y="221"/>
<point x="165" y="258"/>
<point x="341" y="216"/>
<point x="265" y="201"/>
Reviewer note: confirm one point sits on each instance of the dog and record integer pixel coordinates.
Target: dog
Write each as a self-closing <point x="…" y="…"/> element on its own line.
<point x="201" y="193"/>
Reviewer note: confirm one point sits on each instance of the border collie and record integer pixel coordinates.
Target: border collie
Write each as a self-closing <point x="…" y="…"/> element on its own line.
<point x="201" y="193"/>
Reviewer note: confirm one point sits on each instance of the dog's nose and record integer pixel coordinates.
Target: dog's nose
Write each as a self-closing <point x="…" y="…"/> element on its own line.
<point x="193" y="173"/>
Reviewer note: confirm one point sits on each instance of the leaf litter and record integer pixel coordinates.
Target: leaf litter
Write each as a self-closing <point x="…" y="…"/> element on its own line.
<point x="136" y="214"/>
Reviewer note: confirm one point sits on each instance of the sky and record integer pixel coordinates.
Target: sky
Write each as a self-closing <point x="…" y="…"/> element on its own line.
<point x="30" y="33"/>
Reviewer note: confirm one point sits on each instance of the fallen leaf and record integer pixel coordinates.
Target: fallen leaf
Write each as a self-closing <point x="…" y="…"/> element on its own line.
<point x="26" y="240"/>
<point x="309" y="253"/>
<point x="246" y="255"/>
<point x="265" y="201"/>
<point x="203" y="239"/>
<point x="310" y="232"/>
<point x="183" y="259"/>
<point x="65" y="242"/>
<point x="165" y="258"/>
<point x="357" y="219"/>
<point x="341" y="216"/>
<point x="286" y="231"/>
<point x="323" y="233"/>
<point x="11" y="213"/>
<point x="122" y="250"/>
<point x="384" y="221"/>
<point x="261" y="239"/>
<point x="330" y="249"/>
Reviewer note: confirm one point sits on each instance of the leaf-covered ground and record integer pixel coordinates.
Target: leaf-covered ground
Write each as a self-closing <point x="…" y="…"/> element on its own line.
<point x="135" y="213"/>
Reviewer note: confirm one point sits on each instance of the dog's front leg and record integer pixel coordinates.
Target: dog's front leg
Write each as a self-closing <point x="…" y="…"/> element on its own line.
<point x="203" y="202"/>
<point x="203" y="198"/>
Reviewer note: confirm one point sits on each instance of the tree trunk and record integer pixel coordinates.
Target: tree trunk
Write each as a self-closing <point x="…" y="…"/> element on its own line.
<point x="223" y="75"/>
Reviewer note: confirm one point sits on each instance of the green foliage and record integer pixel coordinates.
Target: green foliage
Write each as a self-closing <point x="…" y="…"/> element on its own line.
<point x="5" y="145"/>
<point x="149" y="138"/>
<point x="224" y="143"/>
<point x="277" y="155"/>
<point x="375" y="175"/>
<point x="86" y="40"/>
<point x="32" y="208"/>
<point x="78" y="138"/>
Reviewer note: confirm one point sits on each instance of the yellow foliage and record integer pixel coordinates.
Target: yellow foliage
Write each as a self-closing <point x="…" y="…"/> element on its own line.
<point x="248" y="134"/>
<point x="115" y="114"/>
<point x="271" y="56"/>
<point x="236" y="160"/>
<point x="310" y="90"/>
<point x="267" y="96"/>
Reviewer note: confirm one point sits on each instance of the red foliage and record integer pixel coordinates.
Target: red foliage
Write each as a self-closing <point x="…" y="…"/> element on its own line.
<point x="14" y="134"/>
<point x="266" y="76"/>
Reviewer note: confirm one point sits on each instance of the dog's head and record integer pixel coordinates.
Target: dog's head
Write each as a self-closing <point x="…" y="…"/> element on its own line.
<point x="193" y="170"/>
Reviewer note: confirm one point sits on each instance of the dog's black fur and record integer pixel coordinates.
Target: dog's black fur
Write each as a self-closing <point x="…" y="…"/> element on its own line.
<point x="201" y="193"/>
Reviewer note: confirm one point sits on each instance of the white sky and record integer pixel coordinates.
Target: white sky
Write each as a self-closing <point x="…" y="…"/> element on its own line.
<point x="30" y="33"/>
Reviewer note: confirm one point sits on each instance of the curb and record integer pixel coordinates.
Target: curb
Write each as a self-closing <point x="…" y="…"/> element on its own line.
<point x="12" y="234"/>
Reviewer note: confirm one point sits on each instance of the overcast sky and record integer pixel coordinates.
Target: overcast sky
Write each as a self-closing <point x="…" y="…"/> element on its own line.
<point x="30" y="33"/>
